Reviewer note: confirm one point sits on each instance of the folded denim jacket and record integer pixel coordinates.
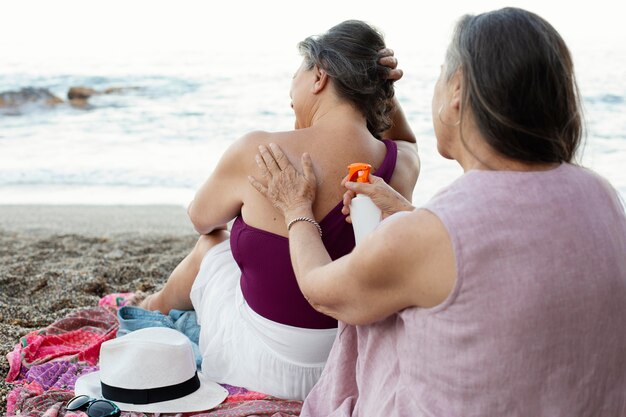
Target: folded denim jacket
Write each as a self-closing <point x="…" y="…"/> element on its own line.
<point x="133" y="318"/>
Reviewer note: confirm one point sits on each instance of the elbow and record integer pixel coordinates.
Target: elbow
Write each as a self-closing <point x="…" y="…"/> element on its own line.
<point x="189" y="212"/>
<point x="330" y="312"/>
<point x="325" y="303"/>
<point x="314" y="296"/>
<point x="194" y="217"/>
<point x="352" y="318"/>
<point x="358" y="315"/>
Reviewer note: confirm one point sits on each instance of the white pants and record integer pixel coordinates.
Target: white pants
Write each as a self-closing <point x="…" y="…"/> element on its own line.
<point x="240" y="347"/>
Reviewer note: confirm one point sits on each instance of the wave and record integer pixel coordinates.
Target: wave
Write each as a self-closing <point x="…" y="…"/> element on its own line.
<point x="48" y="177"/>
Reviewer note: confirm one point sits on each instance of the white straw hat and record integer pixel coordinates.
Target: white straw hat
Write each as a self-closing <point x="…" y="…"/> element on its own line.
<point x="151" y="370"/>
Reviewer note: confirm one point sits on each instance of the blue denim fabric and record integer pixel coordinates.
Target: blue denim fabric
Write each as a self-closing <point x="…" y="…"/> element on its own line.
<point x="133" y="318"/>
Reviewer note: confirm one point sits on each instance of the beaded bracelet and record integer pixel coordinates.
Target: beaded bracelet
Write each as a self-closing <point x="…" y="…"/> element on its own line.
<point x="305" y="219"/>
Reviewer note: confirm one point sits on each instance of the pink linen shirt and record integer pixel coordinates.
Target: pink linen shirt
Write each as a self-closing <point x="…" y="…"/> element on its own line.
<point x="535" y="325"/>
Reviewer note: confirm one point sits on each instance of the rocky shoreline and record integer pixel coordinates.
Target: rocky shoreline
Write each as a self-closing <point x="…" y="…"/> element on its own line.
<point x="77" y="96"/>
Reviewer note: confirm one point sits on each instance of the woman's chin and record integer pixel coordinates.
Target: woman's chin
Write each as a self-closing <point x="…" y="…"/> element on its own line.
<point x="444" y="153"/>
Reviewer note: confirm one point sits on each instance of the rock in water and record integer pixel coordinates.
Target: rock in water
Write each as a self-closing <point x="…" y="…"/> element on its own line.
<point x="13" y="99"/>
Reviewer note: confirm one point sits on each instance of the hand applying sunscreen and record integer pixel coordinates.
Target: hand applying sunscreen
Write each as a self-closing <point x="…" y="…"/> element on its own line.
<point x="364" y="213"/>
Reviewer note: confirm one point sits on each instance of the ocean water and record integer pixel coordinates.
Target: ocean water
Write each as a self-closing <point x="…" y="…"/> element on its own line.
<point x="156" y="142"/>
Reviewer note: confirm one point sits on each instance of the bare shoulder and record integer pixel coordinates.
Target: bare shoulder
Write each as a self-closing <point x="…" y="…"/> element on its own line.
<point x="407" y="149"/>
<point x="238" y="161"/>
<point x="407" y="169"/>
<point x="250" y="142"/>
<point x="408" y="157"/>
<point x="240" y="154"/>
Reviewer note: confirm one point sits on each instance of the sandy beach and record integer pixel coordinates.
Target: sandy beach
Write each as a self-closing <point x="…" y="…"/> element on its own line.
<point x="58" y="259"/>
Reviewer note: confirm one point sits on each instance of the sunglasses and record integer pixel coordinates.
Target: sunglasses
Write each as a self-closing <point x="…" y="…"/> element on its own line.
<point x="95" y="407"/>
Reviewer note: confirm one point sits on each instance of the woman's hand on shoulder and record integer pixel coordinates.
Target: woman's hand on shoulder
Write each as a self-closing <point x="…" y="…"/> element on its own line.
<point x="290" y="192"/>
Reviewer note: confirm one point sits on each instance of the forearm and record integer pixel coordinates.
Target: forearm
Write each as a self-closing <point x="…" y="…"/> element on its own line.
<point x="308" y="254"/>
<point x="400" y="129"/>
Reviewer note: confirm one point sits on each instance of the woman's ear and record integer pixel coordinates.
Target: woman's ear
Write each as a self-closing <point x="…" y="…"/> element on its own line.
<point x="321" y="79"/>
<point x="455" y="90"/>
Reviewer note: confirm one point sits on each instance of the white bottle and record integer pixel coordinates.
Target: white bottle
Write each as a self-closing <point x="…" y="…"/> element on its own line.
<point x="364" y="213"/>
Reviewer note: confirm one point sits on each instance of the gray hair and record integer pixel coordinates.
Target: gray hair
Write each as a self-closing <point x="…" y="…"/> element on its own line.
<point x="518" y="80"/>
<point x="348" y="53"/>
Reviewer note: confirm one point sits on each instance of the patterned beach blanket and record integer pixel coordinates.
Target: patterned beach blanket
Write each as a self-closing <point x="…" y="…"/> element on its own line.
<point x="45" y="364"/>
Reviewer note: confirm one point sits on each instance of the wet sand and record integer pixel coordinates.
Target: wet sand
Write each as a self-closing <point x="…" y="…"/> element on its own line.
<point x="58" y="259"/>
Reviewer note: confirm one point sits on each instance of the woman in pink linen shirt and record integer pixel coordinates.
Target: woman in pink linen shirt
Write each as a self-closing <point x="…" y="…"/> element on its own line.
<point x="505" y="294"/>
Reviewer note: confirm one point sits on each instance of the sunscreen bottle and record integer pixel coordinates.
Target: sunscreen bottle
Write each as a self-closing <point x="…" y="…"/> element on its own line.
<point x="364" y="213"/>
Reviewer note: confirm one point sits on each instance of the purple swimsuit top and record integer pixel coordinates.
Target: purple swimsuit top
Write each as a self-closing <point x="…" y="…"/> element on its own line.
<point x="268" y="282"/>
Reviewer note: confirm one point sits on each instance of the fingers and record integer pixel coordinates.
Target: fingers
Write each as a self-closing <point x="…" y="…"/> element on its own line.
<point x="269" y="161"/>
<point x="359" y="187"/>
<point x="279" y="156"/>
<point x="256" y="184"/>
<point x="262" y="166"/>
<point x="355" y="188"/>
<point x="307" y="168"/>
<point x="395" y="74"/>
<point x="374" y="179"/>
<point x="388" y="61"/>
<point x="347" y="198"/>
<point x="369" y="189"/>
<point x="386" y="52"/>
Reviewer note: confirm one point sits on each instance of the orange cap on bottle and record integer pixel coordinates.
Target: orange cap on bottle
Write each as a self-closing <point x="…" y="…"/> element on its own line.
<point x="359" y="172"/>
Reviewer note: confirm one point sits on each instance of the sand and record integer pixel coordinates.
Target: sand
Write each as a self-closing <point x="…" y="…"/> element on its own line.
<point x="58" y="259"/>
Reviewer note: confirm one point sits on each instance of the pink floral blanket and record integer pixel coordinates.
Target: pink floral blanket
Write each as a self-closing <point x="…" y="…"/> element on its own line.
<point x="45" y="364"/>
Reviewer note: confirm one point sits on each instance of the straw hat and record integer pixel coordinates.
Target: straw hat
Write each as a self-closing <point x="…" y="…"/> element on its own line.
<point x="151" y="370"/>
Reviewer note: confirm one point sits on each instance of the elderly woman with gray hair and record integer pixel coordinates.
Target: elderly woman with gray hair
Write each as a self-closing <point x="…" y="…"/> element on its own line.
<point x="505" y="295"/>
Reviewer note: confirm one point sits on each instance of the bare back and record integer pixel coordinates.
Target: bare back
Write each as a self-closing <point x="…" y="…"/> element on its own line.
<point x="332" y="144"/>
<point x="331" y="150"/>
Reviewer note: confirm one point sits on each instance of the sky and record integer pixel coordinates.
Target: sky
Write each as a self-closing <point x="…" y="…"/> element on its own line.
<point x="61" y="28"/>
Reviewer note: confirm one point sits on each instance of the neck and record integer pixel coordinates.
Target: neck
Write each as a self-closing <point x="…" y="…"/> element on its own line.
<point x="477" y="154"/>
<point x="336" y="114"/>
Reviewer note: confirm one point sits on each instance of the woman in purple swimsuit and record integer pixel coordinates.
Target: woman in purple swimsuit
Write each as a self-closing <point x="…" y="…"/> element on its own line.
<point x="257" y="329"/>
